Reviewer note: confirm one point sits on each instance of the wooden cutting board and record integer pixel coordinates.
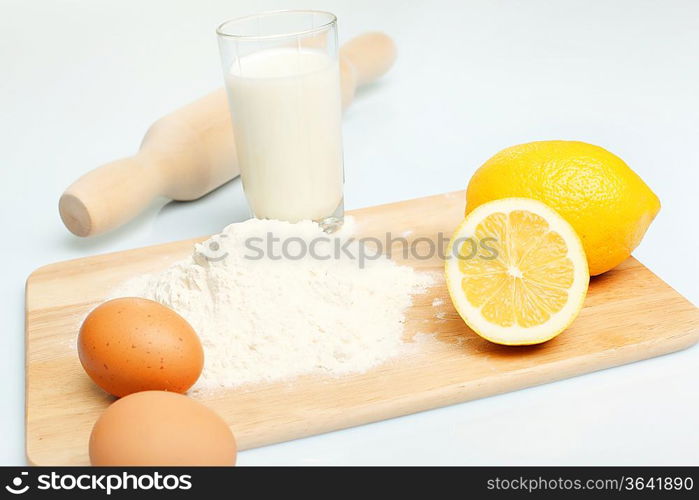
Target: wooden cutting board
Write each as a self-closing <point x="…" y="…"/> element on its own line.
<point x="629" y="314"/>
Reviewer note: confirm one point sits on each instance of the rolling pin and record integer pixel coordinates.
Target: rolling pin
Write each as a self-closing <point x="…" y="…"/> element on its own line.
<point x="191" y="151"/>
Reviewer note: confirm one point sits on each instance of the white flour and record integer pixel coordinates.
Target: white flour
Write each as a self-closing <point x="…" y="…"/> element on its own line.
<point x="263" y="320"/>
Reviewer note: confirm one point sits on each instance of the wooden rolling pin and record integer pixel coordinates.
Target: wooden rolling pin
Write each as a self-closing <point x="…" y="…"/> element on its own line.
<point x="191" y="151"/>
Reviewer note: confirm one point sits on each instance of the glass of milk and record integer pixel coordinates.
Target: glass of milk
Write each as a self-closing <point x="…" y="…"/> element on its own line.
<point x="282" y="75"/>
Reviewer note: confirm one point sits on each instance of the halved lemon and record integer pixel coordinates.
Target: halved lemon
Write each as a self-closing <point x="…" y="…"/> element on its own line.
<point x="516" y="272"/>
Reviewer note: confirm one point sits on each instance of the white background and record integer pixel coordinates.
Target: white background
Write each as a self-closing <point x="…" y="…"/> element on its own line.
<point x="80" y="82"/>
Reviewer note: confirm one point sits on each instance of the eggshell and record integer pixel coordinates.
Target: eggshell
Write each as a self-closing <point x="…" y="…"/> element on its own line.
<point x="158" y="428"/>
<point x="131" y="344"/>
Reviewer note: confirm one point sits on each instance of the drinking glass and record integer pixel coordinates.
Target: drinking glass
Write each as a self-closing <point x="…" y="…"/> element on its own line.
<point x="282" y="76"/>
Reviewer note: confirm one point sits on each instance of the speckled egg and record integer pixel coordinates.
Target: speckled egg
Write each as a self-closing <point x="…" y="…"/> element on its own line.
<point x="131" y="344"/>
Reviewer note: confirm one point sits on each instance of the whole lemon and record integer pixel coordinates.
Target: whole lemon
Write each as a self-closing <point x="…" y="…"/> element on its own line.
<point x="606" y="202"/>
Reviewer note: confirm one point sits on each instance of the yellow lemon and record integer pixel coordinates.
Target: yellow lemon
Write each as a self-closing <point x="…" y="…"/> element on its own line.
<point x="606" y="202"/>
<point x="516" y="272"/>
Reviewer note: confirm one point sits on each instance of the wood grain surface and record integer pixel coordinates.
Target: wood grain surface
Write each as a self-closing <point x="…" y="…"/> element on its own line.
<point x="630" y="314"/>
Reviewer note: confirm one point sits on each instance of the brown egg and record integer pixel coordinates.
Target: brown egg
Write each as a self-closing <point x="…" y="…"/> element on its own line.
<point x="131" y="344"/>
<point x="159" y="428"/>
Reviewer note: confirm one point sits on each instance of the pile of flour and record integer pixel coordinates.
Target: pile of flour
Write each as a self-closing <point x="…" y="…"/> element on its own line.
<point x="264" y="316"/>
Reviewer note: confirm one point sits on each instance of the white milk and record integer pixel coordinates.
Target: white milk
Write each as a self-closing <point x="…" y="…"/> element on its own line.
<point x="286" y="110"/>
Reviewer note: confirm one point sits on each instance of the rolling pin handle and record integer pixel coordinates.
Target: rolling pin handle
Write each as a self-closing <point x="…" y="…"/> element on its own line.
<point x="109" y="196"/>
<point x="371" y="55"/>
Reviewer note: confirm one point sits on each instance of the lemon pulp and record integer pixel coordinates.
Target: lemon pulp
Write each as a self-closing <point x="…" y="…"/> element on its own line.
<point x="530" y="283"/>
